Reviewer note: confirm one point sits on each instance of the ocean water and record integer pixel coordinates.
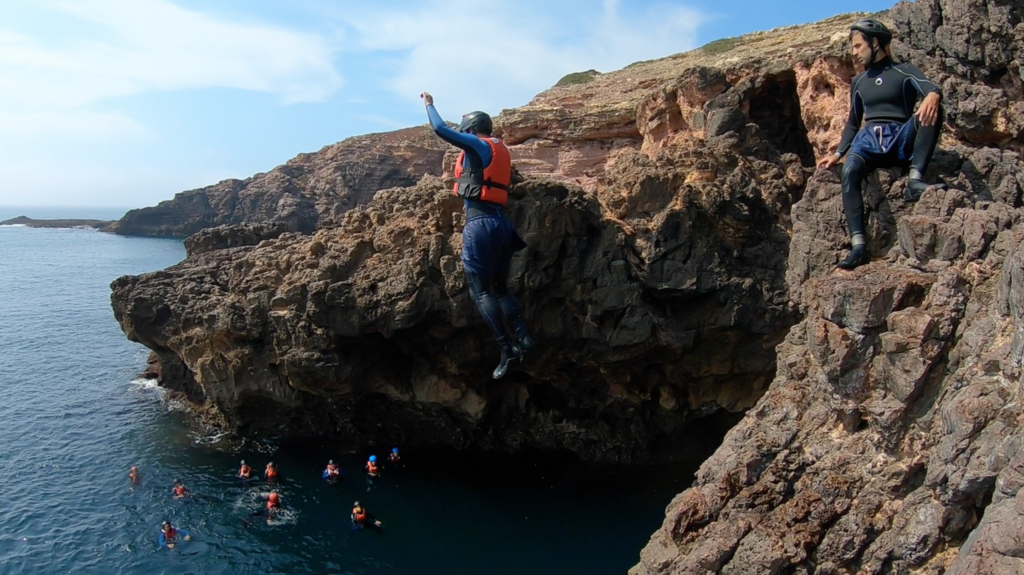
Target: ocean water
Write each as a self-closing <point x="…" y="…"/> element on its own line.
<point x="73" y="419"/>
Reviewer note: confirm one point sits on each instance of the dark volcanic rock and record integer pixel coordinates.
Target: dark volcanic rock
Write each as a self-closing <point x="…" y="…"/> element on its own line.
<point x="310" y="190"/>
<point x="889" y="441"/>
<point x="681" y="257"/>
<point x="655" y="304"/>
<point x="232" y="236"/>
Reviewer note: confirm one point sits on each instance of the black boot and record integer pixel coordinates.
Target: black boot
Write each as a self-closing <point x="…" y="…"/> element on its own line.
<point x="509" y="355"/>
<point x="917" y="187"/>
<point x="526" y="343"/>
<point x="858" y="256"/>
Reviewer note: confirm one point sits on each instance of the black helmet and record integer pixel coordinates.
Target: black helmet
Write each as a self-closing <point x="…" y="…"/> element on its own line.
<point x="873" y="29"/>
<point x="476" y="123"/>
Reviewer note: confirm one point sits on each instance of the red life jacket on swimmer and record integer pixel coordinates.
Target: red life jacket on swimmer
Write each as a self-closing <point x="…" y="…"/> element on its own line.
<point x="371" y="467"/>
<point x="180" y="491"/>
<point x="359" y="513"/>
<point x="170" y="535"/>
<point x="271" y="505"/>
<point x="271" y="472"/>
<point x="493" y="184"/>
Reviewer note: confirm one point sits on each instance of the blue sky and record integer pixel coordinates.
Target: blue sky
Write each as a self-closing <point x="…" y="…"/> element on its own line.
<point x="123" y="103"/>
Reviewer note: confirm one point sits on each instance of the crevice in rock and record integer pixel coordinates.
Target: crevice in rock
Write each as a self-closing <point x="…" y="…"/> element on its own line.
<point x="913" y="297"/>
<point x="775" y="108"/>
<point x="994" y="78"/>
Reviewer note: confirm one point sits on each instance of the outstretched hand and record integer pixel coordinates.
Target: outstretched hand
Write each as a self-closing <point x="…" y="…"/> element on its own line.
<point x="928" y="112"/>
<point x="428" y="100"/>
<point x="828" y="161"/>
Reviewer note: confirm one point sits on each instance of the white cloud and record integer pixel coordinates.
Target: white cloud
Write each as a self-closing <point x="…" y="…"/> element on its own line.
<point x="153" y="45"/>
<point x="490" y="55"/>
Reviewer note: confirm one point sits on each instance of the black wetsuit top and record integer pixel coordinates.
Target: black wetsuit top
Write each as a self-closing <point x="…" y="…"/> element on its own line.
<point x="885" y="92"/>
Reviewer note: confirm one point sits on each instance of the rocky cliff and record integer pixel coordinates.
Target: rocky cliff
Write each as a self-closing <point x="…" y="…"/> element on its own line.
<point x="680" y="279"/>
<point x="309" y="190"/>
<point x="890" y="438"/>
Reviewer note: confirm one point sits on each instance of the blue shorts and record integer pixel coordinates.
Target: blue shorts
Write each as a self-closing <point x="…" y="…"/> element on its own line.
<point x="488" y="243"/>
<point x="886" y="144"/>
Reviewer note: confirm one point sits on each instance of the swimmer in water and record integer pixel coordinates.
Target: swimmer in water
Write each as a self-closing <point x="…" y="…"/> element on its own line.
<point x="168" y="535"/>
<point x="273" y="505"/>
<point x="362" y="519"/>
<point x="271" y="471"/>
<point x="332" y="473"/>
<point x="372" y="469"/>
<point x="133" y="474"/>
<point x="179" y="491"/>
<point x="245" y="472"/>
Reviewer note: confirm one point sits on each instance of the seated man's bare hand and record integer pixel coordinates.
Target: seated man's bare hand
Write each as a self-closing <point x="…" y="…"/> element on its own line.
<point x="928" y="112"/>
<point x="828" y="161"/>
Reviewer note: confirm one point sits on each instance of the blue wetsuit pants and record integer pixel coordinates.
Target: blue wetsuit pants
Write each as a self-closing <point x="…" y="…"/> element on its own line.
<point x="883" y="145"/>
<point x="488" y="242"/>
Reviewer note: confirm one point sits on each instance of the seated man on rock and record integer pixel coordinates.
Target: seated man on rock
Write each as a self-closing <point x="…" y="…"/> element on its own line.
<point x="883" y="96"/>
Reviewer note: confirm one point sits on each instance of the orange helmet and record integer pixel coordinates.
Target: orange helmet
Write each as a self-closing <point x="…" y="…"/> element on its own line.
<point x="274" y="496"/>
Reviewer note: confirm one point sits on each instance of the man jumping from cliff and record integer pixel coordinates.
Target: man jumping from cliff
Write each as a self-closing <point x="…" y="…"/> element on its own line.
<point x="883" y="96"/>
<point x="483" y="174"/>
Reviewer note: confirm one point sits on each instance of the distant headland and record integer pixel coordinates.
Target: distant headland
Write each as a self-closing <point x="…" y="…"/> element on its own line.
<point x="101" y="225"/>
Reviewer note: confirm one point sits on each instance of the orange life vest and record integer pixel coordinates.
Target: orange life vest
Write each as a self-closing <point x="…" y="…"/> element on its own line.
<point x="359" y="513"/>
<point x="371" y="467"/>
<point x="245" y="471"/>
<point x="272" y="505"/>
<point x="493" y="184"/>
<point x="271" y="472"/>
<point x="179" y="491"/>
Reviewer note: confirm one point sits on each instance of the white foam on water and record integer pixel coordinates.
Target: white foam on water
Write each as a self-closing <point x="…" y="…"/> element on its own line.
<point x="210" y="436"/>
<point x="284" y="517"/>
<point x="142" y="385"/>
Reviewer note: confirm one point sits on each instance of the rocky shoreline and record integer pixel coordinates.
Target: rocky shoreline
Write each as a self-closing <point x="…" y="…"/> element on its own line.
<point x="680" y="279"/>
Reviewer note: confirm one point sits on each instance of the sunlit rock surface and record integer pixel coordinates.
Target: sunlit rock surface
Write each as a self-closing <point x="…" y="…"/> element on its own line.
<point x="680" y="281"/>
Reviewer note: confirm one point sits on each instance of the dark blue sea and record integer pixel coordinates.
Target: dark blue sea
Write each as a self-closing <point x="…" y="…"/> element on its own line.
<point x="74" y="418"/>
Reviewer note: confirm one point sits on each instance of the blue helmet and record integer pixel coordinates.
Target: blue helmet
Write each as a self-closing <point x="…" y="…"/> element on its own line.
<point x="373" y="458"/>
<point x="394" y="450"/>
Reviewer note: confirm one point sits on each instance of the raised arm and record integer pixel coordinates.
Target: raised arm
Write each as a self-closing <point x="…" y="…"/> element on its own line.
<point x="468" y="142"/>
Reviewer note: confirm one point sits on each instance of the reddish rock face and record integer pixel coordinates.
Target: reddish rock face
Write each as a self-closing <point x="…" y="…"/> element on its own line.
<point x="680" y="273"/>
